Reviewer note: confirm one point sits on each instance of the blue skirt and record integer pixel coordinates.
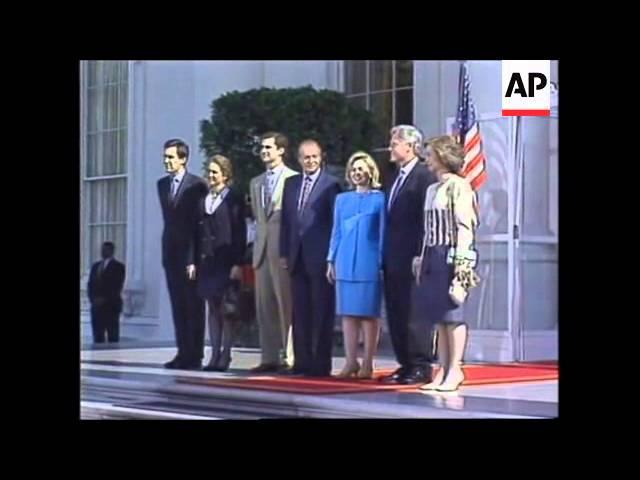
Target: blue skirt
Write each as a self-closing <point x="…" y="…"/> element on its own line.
<point x="358" y="299"/>
<point x="430" y="300"/>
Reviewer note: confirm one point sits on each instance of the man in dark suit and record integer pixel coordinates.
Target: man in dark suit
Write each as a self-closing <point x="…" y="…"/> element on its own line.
<point x="307" y="219"/>
<point x="105" y="294"/>
<point x="180" y="193"/>
<point x="405" y="203"/>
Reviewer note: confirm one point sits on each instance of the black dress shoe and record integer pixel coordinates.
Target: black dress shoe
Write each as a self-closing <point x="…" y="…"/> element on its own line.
<point x="265" y="368"/>
<point x="193" y="365"/>
<point x="173" y="364"/>
<point x="218" y="366"/>
<point x="396" y="377"/>
<point x="197" y="367"/>
<point x="223" y="365"/>
<point x="417" y="375"/>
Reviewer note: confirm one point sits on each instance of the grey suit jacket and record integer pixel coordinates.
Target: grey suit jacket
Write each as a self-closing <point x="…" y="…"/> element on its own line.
<point x="267" y="217"/>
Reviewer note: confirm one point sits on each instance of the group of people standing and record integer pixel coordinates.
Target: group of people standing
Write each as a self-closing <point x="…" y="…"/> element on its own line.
<point x="319" y="252"/>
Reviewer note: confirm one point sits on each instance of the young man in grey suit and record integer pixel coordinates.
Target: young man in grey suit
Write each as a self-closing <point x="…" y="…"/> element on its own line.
<point x="273" y="288"/>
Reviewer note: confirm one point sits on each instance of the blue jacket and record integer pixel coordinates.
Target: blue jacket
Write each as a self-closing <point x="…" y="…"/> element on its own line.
<point x="357" y="237"/>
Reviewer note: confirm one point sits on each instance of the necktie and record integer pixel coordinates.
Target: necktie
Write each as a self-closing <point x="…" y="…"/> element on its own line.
<point x="174" y="187"/>
<point x="268" y="188"/>
<point x="395" y="188"/>
<point x="306" y="189"/>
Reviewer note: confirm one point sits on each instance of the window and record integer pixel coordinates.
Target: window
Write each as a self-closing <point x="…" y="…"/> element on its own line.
<point x="104" y="103"/>
<point x="385" y="87"/>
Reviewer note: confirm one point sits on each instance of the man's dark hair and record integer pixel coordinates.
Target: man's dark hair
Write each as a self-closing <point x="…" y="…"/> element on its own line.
<point x="281" y="140"/>
<point x="181" y="147"/>
<point x="109" y="244"/>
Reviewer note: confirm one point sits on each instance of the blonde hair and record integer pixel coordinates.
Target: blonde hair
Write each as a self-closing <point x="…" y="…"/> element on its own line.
<point x="372" y="166"/>
<point x="225" y="166"/>
<point x="450" y="153"/>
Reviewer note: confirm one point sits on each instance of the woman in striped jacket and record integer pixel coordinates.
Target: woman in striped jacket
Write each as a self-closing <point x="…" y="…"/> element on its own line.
<point x="444" y="268"/>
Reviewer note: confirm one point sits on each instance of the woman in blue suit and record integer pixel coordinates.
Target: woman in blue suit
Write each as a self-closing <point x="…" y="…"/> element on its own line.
<point x="355" y="261"/>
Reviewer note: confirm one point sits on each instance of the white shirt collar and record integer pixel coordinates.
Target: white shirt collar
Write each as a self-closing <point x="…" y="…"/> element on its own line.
<point x="212" y="195"/>
<point x="211" y="202"/>
<point x="179" y="176"/>
<point x="278" y="170"/>
<point x="314" y="176"/>
<point x="220" y="193"/>
<point x="409" y="166"/>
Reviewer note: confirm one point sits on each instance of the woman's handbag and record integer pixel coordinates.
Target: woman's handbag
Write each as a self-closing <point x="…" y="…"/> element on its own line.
<point x="231" y="300"/>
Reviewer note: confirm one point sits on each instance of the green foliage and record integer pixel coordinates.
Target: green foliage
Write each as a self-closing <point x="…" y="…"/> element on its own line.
<point x="239" y="118"/>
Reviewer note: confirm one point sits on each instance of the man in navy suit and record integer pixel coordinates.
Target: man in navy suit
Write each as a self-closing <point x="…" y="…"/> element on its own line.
<point x="105" y="294"/>
<point x="307" y="219"/>
<point x="405" y="204"/>
<point x="180" y="194"/>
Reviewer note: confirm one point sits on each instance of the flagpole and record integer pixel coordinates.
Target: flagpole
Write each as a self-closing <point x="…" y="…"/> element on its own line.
<point x="515" y="287"/>
<point x="518" y="234"/>
<point x="460" y="92"/>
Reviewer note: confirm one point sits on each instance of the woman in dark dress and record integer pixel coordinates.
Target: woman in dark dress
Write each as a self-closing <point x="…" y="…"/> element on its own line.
<point x="222" y="240"/>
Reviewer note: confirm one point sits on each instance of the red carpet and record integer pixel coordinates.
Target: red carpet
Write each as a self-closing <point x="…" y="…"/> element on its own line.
<point x="485" y="374"/>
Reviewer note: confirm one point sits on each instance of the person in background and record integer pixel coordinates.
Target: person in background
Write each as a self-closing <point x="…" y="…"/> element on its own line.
<point x="105" y="295"/>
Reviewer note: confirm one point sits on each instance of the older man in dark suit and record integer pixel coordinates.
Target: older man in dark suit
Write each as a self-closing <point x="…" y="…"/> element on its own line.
<point x="307" y="219"/>
<point x="405" y="203"/>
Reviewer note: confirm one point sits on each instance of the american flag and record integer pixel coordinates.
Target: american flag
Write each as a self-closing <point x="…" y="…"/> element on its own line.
<point x="468" y="131"/>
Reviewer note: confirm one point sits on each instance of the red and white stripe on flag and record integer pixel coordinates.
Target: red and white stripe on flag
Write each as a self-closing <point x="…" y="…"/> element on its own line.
<point x="474" y="169"/>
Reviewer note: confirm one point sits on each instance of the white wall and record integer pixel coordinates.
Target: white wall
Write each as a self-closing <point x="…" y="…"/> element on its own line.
<point x="436" y="91"/>
<point x="169" y="102"/>
<point x="297" y="73"/>
<point x="428" y="105"/>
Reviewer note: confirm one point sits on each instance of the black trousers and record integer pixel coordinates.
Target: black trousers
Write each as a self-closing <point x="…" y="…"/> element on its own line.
<point x="188" y="313"/>
<point x="313" y="320"/>
<point x="105" y="319"/>
<point x="410" y="337"/>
